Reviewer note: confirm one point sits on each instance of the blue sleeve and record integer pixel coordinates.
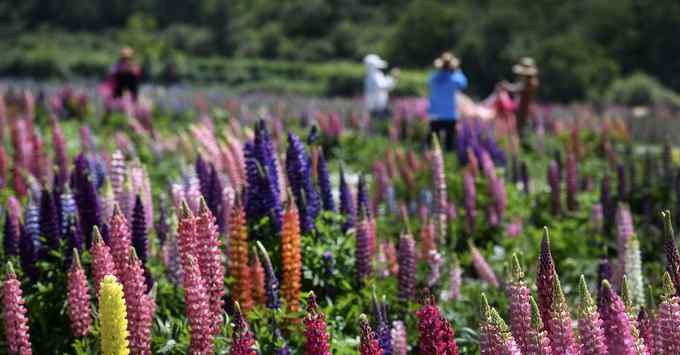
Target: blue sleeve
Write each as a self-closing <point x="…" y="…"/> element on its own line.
<point x="459" y="79"/>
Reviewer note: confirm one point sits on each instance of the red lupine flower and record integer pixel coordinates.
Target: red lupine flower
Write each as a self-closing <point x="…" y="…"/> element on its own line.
<point x="120" y="241"/>
<point x="520" y="306"/>
<point x="482" y="267"/>
<point x="78" y="299"/>
<point x="15" y="320"/>
<point x="316" y="335"/>
<point x="198" y="309"/>
<point x="368" y="344"/>
<point x="494" y="335"/>
<point x="210" y="260"/>
<point x="102" y="261"/>
<point x="617" y="326"/>
<point x="562" y="338"/>
<point x="436" y="334"/>
<point x="589" y="324"/>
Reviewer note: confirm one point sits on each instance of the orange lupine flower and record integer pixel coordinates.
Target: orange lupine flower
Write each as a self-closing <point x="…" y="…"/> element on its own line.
<point x="257" y="276"/>
<point x="291" y="259"/>
<point x="238" y="262"/>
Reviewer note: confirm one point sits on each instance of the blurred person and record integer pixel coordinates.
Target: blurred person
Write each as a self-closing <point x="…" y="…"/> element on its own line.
<point x="126" y="75"/>
<point x="377" y="86"/>
<point x="444" y="85"/>
<point x="525" y="87"/>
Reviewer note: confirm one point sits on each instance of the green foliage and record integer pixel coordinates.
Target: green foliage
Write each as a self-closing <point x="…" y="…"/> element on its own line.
<point x="640" y="90"/>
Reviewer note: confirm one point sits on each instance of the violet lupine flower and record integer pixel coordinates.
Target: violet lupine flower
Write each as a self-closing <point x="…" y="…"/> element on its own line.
<point x="85" y="193"/>
<point x="524" y="175"/>
<point x="554" y="182"/>
<point x="483" y="268"/>
<point x="617" y="326"/>
<point x="398" y="335"/>
<point x="243" y="340"/>
<point x="671" y="248"/>
<point x="139" y="315"/>
<point x="27" y="254"/>
<point x="198" y="308"/>
<point x="78" y="299"/>
<point x="171" y="260"/>
<point x="436" y="334"/>
<point x="572" y="182"/>
<point x="645" y="326"/>
<point x="300" y="179"/>
<point x="544" y="281"/>
<point x="363" y="260"/>
<point x="260" y="196"/>
<point x="324" y="182"/>
<point x="139" y="237"/>
<point x="520" y="306"/>
<point x="11" y="236"/>
<point x="266" y="153"/>
<point x="362" y="197"/>
<point x="102" y="261"/>
<point x="407" y="268"/>
<point x="203" y="174"/>
<point x="539" y="343"/>
<point x="270" y="280"/>
<point x="316" y="335"/>
<point x="470" y="200"/>
<point x="590" y="325"/>
<point x="383" y="332"/>
<point x="440" y="193"/>
<point x="14" y="315"/>
<point x="494" y="335"/>
<point x="368" y="345"/>
<point x="668" y="319"/>
<point x="562" y="340"/>
<point x="346" y="203"/>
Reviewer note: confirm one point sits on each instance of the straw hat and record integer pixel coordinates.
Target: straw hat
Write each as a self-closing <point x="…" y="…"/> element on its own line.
<point x="447" y="61"/>
<point x="126" y="53"/>
<point x="526" y="67"/>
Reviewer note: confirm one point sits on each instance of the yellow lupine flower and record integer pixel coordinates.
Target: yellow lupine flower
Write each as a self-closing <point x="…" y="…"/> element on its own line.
<point x="112" y="318"/>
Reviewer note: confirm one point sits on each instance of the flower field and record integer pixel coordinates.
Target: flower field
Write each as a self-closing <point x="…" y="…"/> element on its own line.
<point x="200" y="222"/>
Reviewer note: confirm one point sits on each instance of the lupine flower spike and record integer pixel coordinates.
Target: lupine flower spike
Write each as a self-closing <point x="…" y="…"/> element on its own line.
<point x="368" y="345"/>
<point x="270" y="280"/>
<point x="112" y="318"/>
<point x="257" y="278"/>
<point x="520" y="306"/>
<point x="483" y="268"/>
<point x="617" y="325"/>
<point x="243" y="340"/>
<point x="440" y="194"/>
<point x="102" y="261"/>
<point x="78" y="299"/>
<point x="14" y="315"/>
<point x="198" y="309"/>
<point x="399" y="344"/>
<point x="407" y="268"/>
<point x="436" y="334"/>
<point x="668" y="319"/>
<point x="210" y="261"/>
<point x="120" y="240"/>
<point x="316" y="335"/>
<point x="563" y="340"/>
<point x="140" y="314"/>
<point x="544" y="281"/>
<point x="291" y="258"/>
<point x="494" y="335"/>
<point x="238" y="258"/>
<point x="539" y="343"/>
<point x="672" y="254"/>
<point x="590" y="325"/>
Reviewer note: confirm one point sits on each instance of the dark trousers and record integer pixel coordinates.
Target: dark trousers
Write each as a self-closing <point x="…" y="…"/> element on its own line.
<point x="126" y="82"/>
<point x="446" y="127"/>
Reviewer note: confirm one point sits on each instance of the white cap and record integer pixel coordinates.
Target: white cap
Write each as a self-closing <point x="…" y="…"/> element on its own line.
<point x="374" y="60"/>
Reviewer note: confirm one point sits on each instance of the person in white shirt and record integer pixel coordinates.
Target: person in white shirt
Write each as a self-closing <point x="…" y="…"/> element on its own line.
<point x="377" y="86"/>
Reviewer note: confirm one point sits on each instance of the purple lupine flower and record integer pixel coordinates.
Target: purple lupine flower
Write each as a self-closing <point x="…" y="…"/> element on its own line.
<point x="562" y="340"/>
<point x="524" y="175"/>
<point x="407" y="268"/>
<point x="544" y="281"/>
<point x="572" y="182"/>
<point x="554" y="182"/>
<point x="470" y="201"/>
<point x="346" y="203"/>
<point x="27" y="253"/>
<point x="362" y="197"/>
<point x="324" y="182"/>
<point x="483" y="268"/>
<point x="266" y="154"/>
<point x="73" y="237"/>
<point x="161" y="226"/>
<point x="363" y="257"/>
<point x="262" y="196"/>
<point x="271" y="282"/>
<point x="32" y="225"/>
<point x="617" y="327"/>
<point x="383" y="331"/>
<point x="86" y="199"/>
<point x="49" y="223"/>
<point x="671" y="248"/>
<point x="11" y="236"/>
<point x="589" y="324"/>
<point x="300" y="179"/>
<point x="520" y="306"/>
<point x="68" y="208"/>
<point x="494" y="334"/>
<point x="140" y="239"/>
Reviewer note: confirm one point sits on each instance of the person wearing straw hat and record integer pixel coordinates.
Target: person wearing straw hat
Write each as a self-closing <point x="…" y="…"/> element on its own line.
<point x="525" y="87"/>
<point x="377" y="85"/>
<point x="126" y="75"/>
<point x="444" y="84"/>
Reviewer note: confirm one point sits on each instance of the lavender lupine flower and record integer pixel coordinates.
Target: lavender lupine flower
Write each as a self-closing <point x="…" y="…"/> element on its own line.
<point x="300" y="179"/>
<point x="346" y="203"/>
<point x="520" y="306"/>
<point x="668" y="319"/>
<point x="590" y="325"/>
<point x="27" y="253"/>
<point x="554" y="182"/>
<point x="624" y="227"/>
<point x="572" y="182"/>
<point x="470" y="201"/>
<point x="398" y="335"/>
<point x="617" y="326"/>
<point x="440" y="195"/>
<point x="11" y="236"/>
<point x="494" y="335"/>
<point x="562" y="340"/>
<point x="68" y="208"/>
<point x="140" y="239"/>
<point x="671" y="248"/>
<point x="633" y="271"/>
<point x="483" y="268"/>
<point x="324" y="182"/>
<point x="14" y="315"/>
<point x="407" y="268"/>
<point x="363" y="258"/>
<point x="545" y="279"/>
<point x="435" y="261"/>
<point x="455" y="281"/>
<point x="49" y="222"/>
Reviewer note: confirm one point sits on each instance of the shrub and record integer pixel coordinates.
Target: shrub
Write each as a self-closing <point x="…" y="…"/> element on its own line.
<point x="640" y="89"/>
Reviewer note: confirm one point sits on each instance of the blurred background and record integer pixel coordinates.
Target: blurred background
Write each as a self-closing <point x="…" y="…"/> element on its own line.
<point x="621" y="51"/>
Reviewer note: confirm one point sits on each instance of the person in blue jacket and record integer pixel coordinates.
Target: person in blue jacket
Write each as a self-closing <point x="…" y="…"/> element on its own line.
<point x="444" y="83"/>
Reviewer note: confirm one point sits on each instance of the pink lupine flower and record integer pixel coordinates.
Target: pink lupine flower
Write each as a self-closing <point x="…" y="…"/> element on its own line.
<point x="102" y="261"/>
<point x="624" y="228"/>
<point x="455" y="281"/>
<point x="368" y="344"/>
<point x="589" y="324"/>
<point x="15" y="320"/>
<point x="440" y="195"/>
<point x="178" y="195"/>
<point x="211" y="263"/>
<point x="436" y="334"/>
<point x="617" y="326"/>
<point x="538" y="341"/>
<point x="198" y="308"/>
<point x="482" y="267"/>
<point x="120" y="241"/>
<point x="4" y="167"/>
<point x="520" y="306"/>
<point x="514" y="228"/>
<point x="668" y="319"/>
<point x="316" y="335"/>
<point x="494" y="335"/>
<point x="78" y="299"/>
<point x="645" y="325"/>
<point x="398" y="335"/>
<point x="137" y="302"/>
<point x="562" y="338"/>
<point x="186" y="235"/>
<point x="544" y="281"/>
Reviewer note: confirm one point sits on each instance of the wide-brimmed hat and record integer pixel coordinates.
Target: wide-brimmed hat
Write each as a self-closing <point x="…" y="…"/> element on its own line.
<point x="447" y="61"/>
<point x="374" y="60"/>
<point x="526" y="66"/>
<point x="126" y="53"/>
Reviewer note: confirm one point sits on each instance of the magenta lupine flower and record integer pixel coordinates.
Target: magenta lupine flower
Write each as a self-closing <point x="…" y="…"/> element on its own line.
<point x="368" y="344"/>
<point x="668" y="319"/>
<point x="398" y="335"/>
<point x="137" y="301"/>
<point x="316" y="335"/>
<point x="78" y="299"/>
<point x="645" y="326"/>
<point x="617" y="326"/>
<point x="483" y="268"/>
<point x="544" y="281"/>
<point x="562" y="338"/>
<point x="198" y="308"/>
<point x="407" y="268"/>
<point x="538" y="341"/>
<point x="102" y="261"/>
<point x="440" y="201"/>
<point x="554" y="183"/>
<point x="520" y="306"/>
<point x="4" y="167"/>
<point x="120" y="241"/>
<point x="470" y="200"/>
<point x="572" y="182"/>
<point x="494" y="335"/>
<point x="589" y="324"/>
<point x="15" y="319"/>
<point x="436" y="334"/>
<point x="210" y="261"/>
<point x="624" y="228"/>
<point x="243" y="340"/>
